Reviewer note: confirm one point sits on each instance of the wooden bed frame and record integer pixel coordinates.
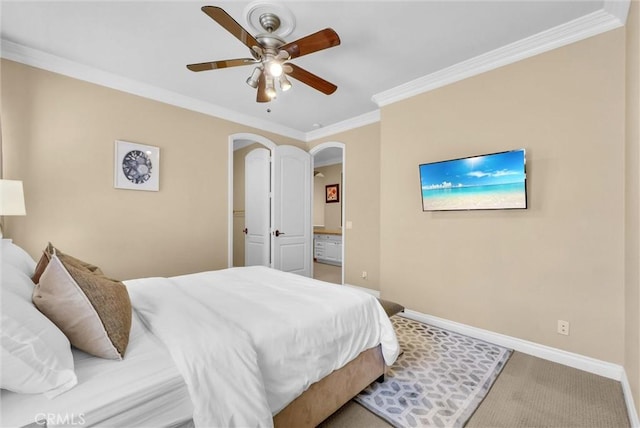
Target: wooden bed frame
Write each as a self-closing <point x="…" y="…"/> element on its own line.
<point x="327" y="395"/>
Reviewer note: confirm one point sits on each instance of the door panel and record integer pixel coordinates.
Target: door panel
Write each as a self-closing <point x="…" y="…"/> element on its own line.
<point x="292" y="210"/>
<point x="257" y="208"/>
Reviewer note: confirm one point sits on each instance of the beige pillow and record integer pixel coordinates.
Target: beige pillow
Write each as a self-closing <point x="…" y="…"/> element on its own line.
<point x="42" y="263"/>
<point x="93" y="311"/>
<point x="46" y="256"/>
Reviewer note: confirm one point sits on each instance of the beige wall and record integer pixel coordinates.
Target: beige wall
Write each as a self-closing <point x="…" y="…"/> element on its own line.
<point x="58" y="136"/>
<point x="517" y="272"/>
<point x="632" y="196"/>
<point x="361" y="197"/>
<point x="513" y="272"/>
<point x="332" y="212"/>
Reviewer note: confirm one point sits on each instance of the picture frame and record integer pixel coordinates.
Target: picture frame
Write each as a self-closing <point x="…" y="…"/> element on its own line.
<point x="332" y="192"/>
<point x="136" y="166"/>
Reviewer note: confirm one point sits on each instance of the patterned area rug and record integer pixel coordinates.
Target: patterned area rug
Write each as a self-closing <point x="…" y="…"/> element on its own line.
<point x="438" y="381"/>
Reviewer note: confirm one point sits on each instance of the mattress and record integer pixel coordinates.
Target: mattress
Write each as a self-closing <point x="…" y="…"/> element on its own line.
<point x="144" y="389"/>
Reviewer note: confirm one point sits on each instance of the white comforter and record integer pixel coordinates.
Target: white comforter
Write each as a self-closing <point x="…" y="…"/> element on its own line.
<point x="250" y="340"/>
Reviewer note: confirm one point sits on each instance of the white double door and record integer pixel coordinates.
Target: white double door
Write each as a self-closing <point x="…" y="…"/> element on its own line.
<point x="278" y="209"/>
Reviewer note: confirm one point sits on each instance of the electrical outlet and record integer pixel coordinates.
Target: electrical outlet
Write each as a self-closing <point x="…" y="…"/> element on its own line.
<point x="563" y="327"/>
<point x="364" y="274"/>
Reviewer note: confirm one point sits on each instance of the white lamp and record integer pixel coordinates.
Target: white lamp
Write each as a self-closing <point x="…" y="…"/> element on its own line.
<point x="11" y="199"/>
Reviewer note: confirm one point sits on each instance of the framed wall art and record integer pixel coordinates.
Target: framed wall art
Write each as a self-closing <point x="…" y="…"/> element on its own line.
<point x="332" y="193"/>
<point x="137" y="166"/>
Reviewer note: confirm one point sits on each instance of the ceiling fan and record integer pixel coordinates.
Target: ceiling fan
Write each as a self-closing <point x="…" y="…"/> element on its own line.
<point x="271" y="55"/>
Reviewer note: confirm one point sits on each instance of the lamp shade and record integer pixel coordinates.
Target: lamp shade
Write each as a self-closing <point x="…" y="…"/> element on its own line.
<point x="11" y="198"/>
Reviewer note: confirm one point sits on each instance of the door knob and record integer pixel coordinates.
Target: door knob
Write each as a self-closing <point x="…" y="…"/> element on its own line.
<point x="278" y="233"/>
<point x="245" y="230"/>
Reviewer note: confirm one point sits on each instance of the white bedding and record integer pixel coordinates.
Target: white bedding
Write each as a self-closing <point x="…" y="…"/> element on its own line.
<point x="229" y="348"/>
<point x="257" y="335"/>
<point x="143" y="390"/>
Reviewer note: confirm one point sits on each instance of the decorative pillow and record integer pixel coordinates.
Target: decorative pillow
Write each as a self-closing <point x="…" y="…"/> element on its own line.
<point x="36" y="355"/>
<point x="92" y="310"/>
<point x="15" y="256"/>
<point x="46" y="256"/>
<point x="42" y="264"/>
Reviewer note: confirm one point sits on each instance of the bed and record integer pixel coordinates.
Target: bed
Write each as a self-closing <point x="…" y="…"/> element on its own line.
<point x="235" y="347"/>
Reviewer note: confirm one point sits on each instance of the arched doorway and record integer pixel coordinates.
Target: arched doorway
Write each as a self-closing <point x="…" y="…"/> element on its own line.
<point x="238" y="142"/>
<point x="285" y="241"/>
<point x="329" y="169"/>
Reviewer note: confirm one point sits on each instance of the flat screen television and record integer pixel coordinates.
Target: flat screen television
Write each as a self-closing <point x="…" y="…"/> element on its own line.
<point x="494" y="181"/>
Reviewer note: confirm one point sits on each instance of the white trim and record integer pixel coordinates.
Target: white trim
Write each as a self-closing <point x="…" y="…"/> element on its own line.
<point x="628" y="398"/>
<point x="588" y="364"/>
<point x="345" y="125"/>
<point x="553" y="38"/>
<point x="241" y="138"/>
<point x="618" y="8"/>
<point x="36" y="58"/>
<point x="375" y="293"/>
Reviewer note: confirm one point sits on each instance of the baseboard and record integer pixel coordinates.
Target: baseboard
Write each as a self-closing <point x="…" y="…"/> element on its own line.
<point x="628" y="398"/>
<point x="577" y="361"/>
<point x="366" y="290"/>
<point x="588" y="364"/>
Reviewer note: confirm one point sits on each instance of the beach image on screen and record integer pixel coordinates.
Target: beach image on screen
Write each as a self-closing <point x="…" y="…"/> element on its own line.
<point x="494" y="181"/>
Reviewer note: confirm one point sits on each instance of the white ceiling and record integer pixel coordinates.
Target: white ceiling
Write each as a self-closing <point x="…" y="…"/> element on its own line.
<point x="143" y="47"/>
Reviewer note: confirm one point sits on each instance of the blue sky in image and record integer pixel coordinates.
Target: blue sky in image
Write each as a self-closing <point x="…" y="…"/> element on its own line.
<point x="485" y="170"/>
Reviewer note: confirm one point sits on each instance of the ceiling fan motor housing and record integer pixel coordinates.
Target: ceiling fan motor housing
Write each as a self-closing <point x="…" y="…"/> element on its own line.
<point x="270" y="22"/>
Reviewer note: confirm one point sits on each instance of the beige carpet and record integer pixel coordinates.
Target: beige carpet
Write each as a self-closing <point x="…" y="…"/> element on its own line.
<point x="328" y="273"/>
<point x="530" y="392"/>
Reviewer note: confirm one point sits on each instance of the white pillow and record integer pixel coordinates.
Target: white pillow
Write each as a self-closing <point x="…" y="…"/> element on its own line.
<point x="36" y="355"/>
<point x="15" y="280"/>
<point x="11" y="254"/>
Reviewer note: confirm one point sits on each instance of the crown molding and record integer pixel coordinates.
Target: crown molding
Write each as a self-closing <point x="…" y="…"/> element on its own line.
<point x="618" y="9"/>
<point x="345" y="125"/>
<point x="611" y="16"/>
<point x="36" y="58"/>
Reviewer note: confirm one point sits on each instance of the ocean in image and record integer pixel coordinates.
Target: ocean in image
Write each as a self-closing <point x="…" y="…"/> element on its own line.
<point x="498" y="196"/>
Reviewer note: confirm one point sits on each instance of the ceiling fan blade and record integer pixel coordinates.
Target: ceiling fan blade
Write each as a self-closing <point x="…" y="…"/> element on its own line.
<point x="229" y="24"/>
<point x="323" y="39"/>
<point x="311" y="79"/>
<point x="262" y="96"/>
<point x="204" y="66"/>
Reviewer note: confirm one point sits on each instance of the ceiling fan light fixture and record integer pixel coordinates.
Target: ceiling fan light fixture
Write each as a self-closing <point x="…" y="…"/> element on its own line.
<point x="285" y="84"/>
<point x="255" y="76"/>
<point x="270" y="88"/>
<point x="275" y="68"/>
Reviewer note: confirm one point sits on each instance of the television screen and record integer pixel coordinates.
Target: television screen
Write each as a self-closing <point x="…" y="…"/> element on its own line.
<point x="488" y="182"/>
